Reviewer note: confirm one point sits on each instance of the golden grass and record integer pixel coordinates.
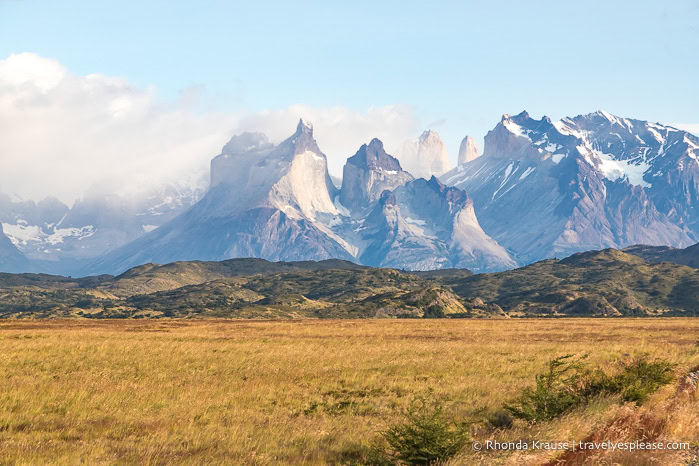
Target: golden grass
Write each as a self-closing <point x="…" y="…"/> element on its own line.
<point x="303" y="392"/>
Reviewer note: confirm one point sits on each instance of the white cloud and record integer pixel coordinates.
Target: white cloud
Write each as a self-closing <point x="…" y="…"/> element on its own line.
<point x="60" y="133"/>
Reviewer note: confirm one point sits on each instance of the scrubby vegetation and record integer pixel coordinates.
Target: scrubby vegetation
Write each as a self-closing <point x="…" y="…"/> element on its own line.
<point x="570" y="383"/>
<point x="558" y="390"/>
<point x="425" y="435"/>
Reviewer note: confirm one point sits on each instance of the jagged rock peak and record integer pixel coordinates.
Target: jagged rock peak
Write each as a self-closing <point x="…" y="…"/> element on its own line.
<point x="299" y="142"/>
<point x="368" y="173"/>
<point x="425" y="156"/>
<point x="246" y="142"/>
<point x="388" y="198"/>
<point x="451" y="194"/>
<point x="374" y="157"/>
<point x="304" y="127"/>
<point x="430" y="134"/>
<point x="468" y="150"/>
<point x="523" y="115"/>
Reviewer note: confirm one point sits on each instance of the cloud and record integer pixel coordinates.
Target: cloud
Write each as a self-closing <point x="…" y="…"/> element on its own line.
<point x="62" y="133"/>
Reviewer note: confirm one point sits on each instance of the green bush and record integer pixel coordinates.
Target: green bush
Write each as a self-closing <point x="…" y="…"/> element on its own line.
<point x="637" y="380"/>
<point x="569" y="383"/>
<point x="555" y="392"/>
<point x="426" y="435"/>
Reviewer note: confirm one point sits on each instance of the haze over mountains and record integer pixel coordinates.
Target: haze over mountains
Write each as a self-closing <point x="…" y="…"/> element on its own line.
<point x="540" y="189"/>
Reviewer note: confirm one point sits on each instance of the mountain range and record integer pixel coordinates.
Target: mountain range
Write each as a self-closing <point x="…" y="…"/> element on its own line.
<point x="547" y="189"/>
<point x="540" y="189"/>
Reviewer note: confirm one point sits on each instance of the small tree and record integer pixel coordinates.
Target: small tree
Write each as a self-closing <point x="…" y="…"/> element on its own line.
<point x="426" y="435"/>
<point x="556" y="391"/>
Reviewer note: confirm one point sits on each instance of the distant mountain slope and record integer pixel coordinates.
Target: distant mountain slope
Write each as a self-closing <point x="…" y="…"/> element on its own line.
<point x="541" y="189"/>
<point x="425" y="225"/>
<point x="11" y="259"/>
<point x="688" y="256"/>
<point x="549" y="189"/>
<point x="265" y="201"/>
<point x="60" y="238"/>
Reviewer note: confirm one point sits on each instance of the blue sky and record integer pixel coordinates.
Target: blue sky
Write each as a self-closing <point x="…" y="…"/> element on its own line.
<point x="459" y="65"/>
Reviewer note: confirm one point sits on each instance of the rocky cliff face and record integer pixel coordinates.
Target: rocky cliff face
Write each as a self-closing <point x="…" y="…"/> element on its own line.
<point x="425" y="157"/>
<point x="426" y="225"/>
<point x="367" y="174"/>
<point x="545" y="189"/>
<point x="265" y="201"/>
<point x="278" y="203"/>
<point x="468" y="150"/>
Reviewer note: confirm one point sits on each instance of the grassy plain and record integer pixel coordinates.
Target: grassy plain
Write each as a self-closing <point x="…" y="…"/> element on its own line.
<point x="313" y="392"/>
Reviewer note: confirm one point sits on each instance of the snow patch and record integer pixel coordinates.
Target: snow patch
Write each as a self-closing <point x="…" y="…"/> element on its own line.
<point x="334" y="221"/>
<point x="340" y="208"/>
<point x="415" y="221"/>
<point x="550" y="147"/>
<point x="527" y="172"/>
<point x="690" y="143"/>
<point x="508" y="172"/>
<point x="20" y="234"/>
<point x="555" y="158"/>
<point x="567" y="128"/>
<point x="60" y="234"/>
<point x="615" y="169"/>
<point x="515" y="129"/>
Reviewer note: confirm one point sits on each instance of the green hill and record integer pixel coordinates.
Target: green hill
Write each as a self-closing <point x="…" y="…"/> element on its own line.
<point x="598" y="283"/>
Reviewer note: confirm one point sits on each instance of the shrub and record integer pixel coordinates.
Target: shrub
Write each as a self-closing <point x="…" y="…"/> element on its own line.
<point x="426" y="435"/>
<point x="556" y="391"/>
<point x="637" y="380"/>
<point x="570" y="383"/>
<point x="500" y="419"/>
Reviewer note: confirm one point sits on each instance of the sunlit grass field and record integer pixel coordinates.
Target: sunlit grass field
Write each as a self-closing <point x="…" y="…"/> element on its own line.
<point x="311" y="392"/>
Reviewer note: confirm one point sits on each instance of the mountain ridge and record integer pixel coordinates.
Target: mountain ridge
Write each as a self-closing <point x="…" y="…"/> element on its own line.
<point x="551" y="189"/>
<point x="603" y="283"/>
<point x="279" y="203"/>
<point x="541" y="189"/>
